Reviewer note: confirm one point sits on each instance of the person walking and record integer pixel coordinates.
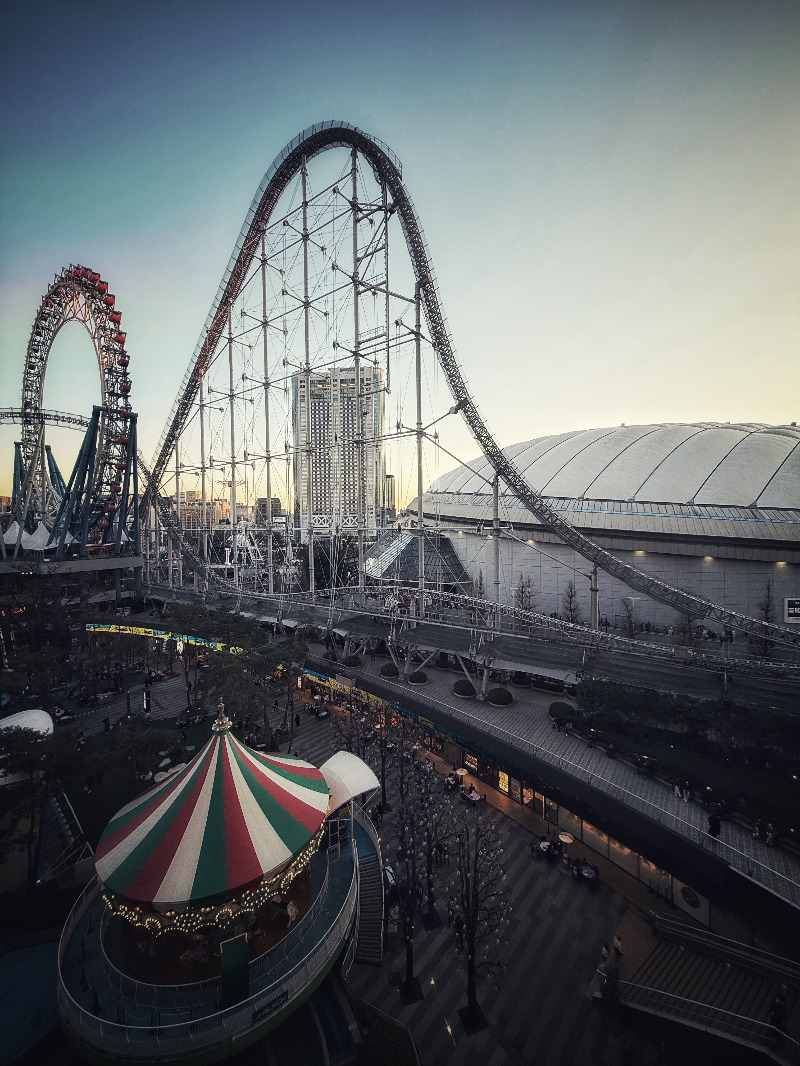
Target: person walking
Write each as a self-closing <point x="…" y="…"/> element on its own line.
<point x="686" y="791"/>
<point x="616" y="944"/>
<point x="714" y="825"/>
<point x="458" y="929"/>
<point x="452" y="907"/>
<point x="605" y="951"/>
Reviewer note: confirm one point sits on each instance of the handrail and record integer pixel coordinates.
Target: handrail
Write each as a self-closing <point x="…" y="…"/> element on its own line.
<point x="750" y="1031"/>
<point x="222" y="1027"/>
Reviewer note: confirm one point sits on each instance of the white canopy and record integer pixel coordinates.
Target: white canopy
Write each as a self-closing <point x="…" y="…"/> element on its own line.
<point x="34" y="719"/>
<point x="346" y="776"/>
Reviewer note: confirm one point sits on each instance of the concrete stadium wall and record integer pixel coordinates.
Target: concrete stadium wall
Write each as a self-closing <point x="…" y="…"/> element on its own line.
<point x="736" y="583"/>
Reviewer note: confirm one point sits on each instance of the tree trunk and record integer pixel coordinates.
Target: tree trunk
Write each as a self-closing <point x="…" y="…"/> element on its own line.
<point x="472" y="983"/>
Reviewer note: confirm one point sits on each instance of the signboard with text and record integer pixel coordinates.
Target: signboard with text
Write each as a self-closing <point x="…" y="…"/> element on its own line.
<point x="791" y="610"/>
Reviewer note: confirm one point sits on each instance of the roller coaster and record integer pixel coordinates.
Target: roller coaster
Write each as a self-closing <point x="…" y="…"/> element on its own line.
<point x="307" y="292"/>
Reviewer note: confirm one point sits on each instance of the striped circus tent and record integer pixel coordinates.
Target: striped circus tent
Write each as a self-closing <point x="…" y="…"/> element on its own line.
<point x="231" y="818"/>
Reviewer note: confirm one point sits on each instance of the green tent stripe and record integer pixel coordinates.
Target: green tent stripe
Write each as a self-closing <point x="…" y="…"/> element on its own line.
<point x="313" y="784"/>
<point x="211" y="874"/>
<point x="128" y="870"/>
<point x="293" y="834"/>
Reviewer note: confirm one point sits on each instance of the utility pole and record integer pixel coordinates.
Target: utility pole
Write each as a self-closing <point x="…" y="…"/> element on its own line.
<point x="595" y="607"/>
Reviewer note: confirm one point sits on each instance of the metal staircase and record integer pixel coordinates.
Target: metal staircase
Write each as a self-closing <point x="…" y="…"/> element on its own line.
<point x="369" y="937"/>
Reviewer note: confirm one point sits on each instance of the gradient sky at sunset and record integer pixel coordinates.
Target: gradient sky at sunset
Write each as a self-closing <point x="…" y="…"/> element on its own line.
<point x="610" y="191"/>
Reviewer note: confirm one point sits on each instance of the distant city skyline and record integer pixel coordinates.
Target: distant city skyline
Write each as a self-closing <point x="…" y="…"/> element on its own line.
<point x="609" y="193"/>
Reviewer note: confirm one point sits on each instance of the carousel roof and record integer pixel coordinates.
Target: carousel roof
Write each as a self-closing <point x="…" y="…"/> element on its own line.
<point x="227" y="820"/>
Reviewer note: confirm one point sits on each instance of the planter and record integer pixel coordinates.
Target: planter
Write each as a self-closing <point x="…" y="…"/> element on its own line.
<point x="464" y="690"/>
<point x="353" y="660"/>
<point x="389" y="670"/>
<point x="419" y="677"/>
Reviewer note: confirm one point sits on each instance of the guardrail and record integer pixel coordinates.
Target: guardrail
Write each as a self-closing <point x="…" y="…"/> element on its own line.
<point x="219" y="1029"/>
<point x="773" y="1042"/>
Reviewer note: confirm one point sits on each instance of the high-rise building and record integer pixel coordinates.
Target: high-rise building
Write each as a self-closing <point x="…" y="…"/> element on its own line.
<point x="389" y="500"/>
<point x="334" y="430"/>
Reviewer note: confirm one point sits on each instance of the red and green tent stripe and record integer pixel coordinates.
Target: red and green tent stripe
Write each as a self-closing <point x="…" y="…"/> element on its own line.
<point x="226" y="821"/>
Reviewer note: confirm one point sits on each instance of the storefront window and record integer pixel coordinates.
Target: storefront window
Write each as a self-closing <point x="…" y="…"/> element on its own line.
<point x="515" y="790"/>
<point x="623" y="857"/>
<point x="471" y="762"/>
<point x="595" y="839"/>
<point x="551" y="811"/>
<point x="502" y="782"/>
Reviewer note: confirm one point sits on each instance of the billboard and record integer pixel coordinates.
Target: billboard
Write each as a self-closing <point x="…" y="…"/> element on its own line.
<point x="791" y="610"/>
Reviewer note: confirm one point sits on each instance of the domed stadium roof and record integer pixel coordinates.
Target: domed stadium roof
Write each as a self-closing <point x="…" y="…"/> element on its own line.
<point x="719" y="472"/>
<point x="230" y="818"/>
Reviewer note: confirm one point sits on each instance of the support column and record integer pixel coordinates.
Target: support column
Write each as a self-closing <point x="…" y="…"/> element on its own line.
<point x="203" y="505"/>
<point x="420" y="517"/>
<point x="233" y="448"/>
<point x="496" y="545"/>
<point x="179" y="560"/>
<point x="309" y="446"/>
<point x="268" y="457"/>
<point x="359" y="419"/>
<point x="595" y="610"/>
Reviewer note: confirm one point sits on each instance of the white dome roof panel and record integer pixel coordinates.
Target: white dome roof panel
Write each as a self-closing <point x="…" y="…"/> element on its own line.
<point x="682" y="473"/>
<point x="622" y="479"/>
<point x="746" y="471"/>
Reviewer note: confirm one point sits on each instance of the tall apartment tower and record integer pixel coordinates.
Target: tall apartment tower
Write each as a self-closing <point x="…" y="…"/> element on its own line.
<point x="334" y="455"/>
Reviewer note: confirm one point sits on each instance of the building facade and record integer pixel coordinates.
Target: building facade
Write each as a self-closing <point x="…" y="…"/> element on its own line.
<point x="328" y="419"/>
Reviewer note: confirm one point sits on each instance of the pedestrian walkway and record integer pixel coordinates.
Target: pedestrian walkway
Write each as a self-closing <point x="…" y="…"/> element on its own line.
<point x="526" y="725"/>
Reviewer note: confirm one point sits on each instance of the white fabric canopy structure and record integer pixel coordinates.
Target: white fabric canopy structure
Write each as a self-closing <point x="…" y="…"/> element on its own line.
<point x="347" y="776"/>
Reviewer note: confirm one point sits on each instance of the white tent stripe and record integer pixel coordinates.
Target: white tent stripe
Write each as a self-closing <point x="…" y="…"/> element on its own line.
<point x="270" y="850"/>
<point x="318" y="801"/>
<point x="179" y="878"/>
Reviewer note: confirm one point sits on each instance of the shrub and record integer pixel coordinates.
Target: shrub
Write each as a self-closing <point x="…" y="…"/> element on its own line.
<point x="389" y="670"/>
<point x="561" y="712"/>
<point x="499" y="697"/>
<point x="419" y="677"/>
<point x="352" y="660"/>
<point x="463" y="688"/>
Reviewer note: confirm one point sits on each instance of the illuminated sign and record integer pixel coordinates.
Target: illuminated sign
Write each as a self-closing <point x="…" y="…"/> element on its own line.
<point x="791" y="611"/>
<point x="160" y="634"/>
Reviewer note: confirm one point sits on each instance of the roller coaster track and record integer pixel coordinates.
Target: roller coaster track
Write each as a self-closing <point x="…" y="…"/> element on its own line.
<point x="50" y="418"/>
<point x="388" y="172"/>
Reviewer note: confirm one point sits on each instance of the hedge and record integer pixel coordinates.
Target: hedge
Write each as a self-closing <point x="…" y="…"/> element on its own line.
<point x="463" y="688"/>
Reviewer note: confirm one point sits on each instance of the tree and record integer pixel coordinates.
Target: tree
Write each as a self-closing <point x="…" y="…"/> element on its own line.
<point x="480" y="587"/>
<point x="523" y="594"/>
<point x="628" y="618"/>
<point x="481" y="893"/>
<point x="764" y="646"/>
<point x="570" y="605"/>
<point x="38" y="757"/>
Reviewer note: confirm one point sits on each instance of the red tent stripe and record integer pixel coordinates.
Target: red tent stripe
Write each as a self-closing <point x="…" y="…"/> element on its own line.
<point x="146" y="885"/>
<point x="308" y="816"/>
<point x="242" y="862"/>
<point x="160" y="795"/>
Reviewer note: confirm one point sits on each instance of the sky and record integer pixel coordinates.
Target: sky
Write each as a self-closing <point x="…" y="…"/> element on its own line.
<point x="610" y="191"/>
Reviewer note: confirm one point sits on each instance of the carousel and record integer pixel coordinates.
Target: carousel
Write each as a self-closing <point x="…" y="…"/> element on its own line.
<point x="223" y="895"/>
